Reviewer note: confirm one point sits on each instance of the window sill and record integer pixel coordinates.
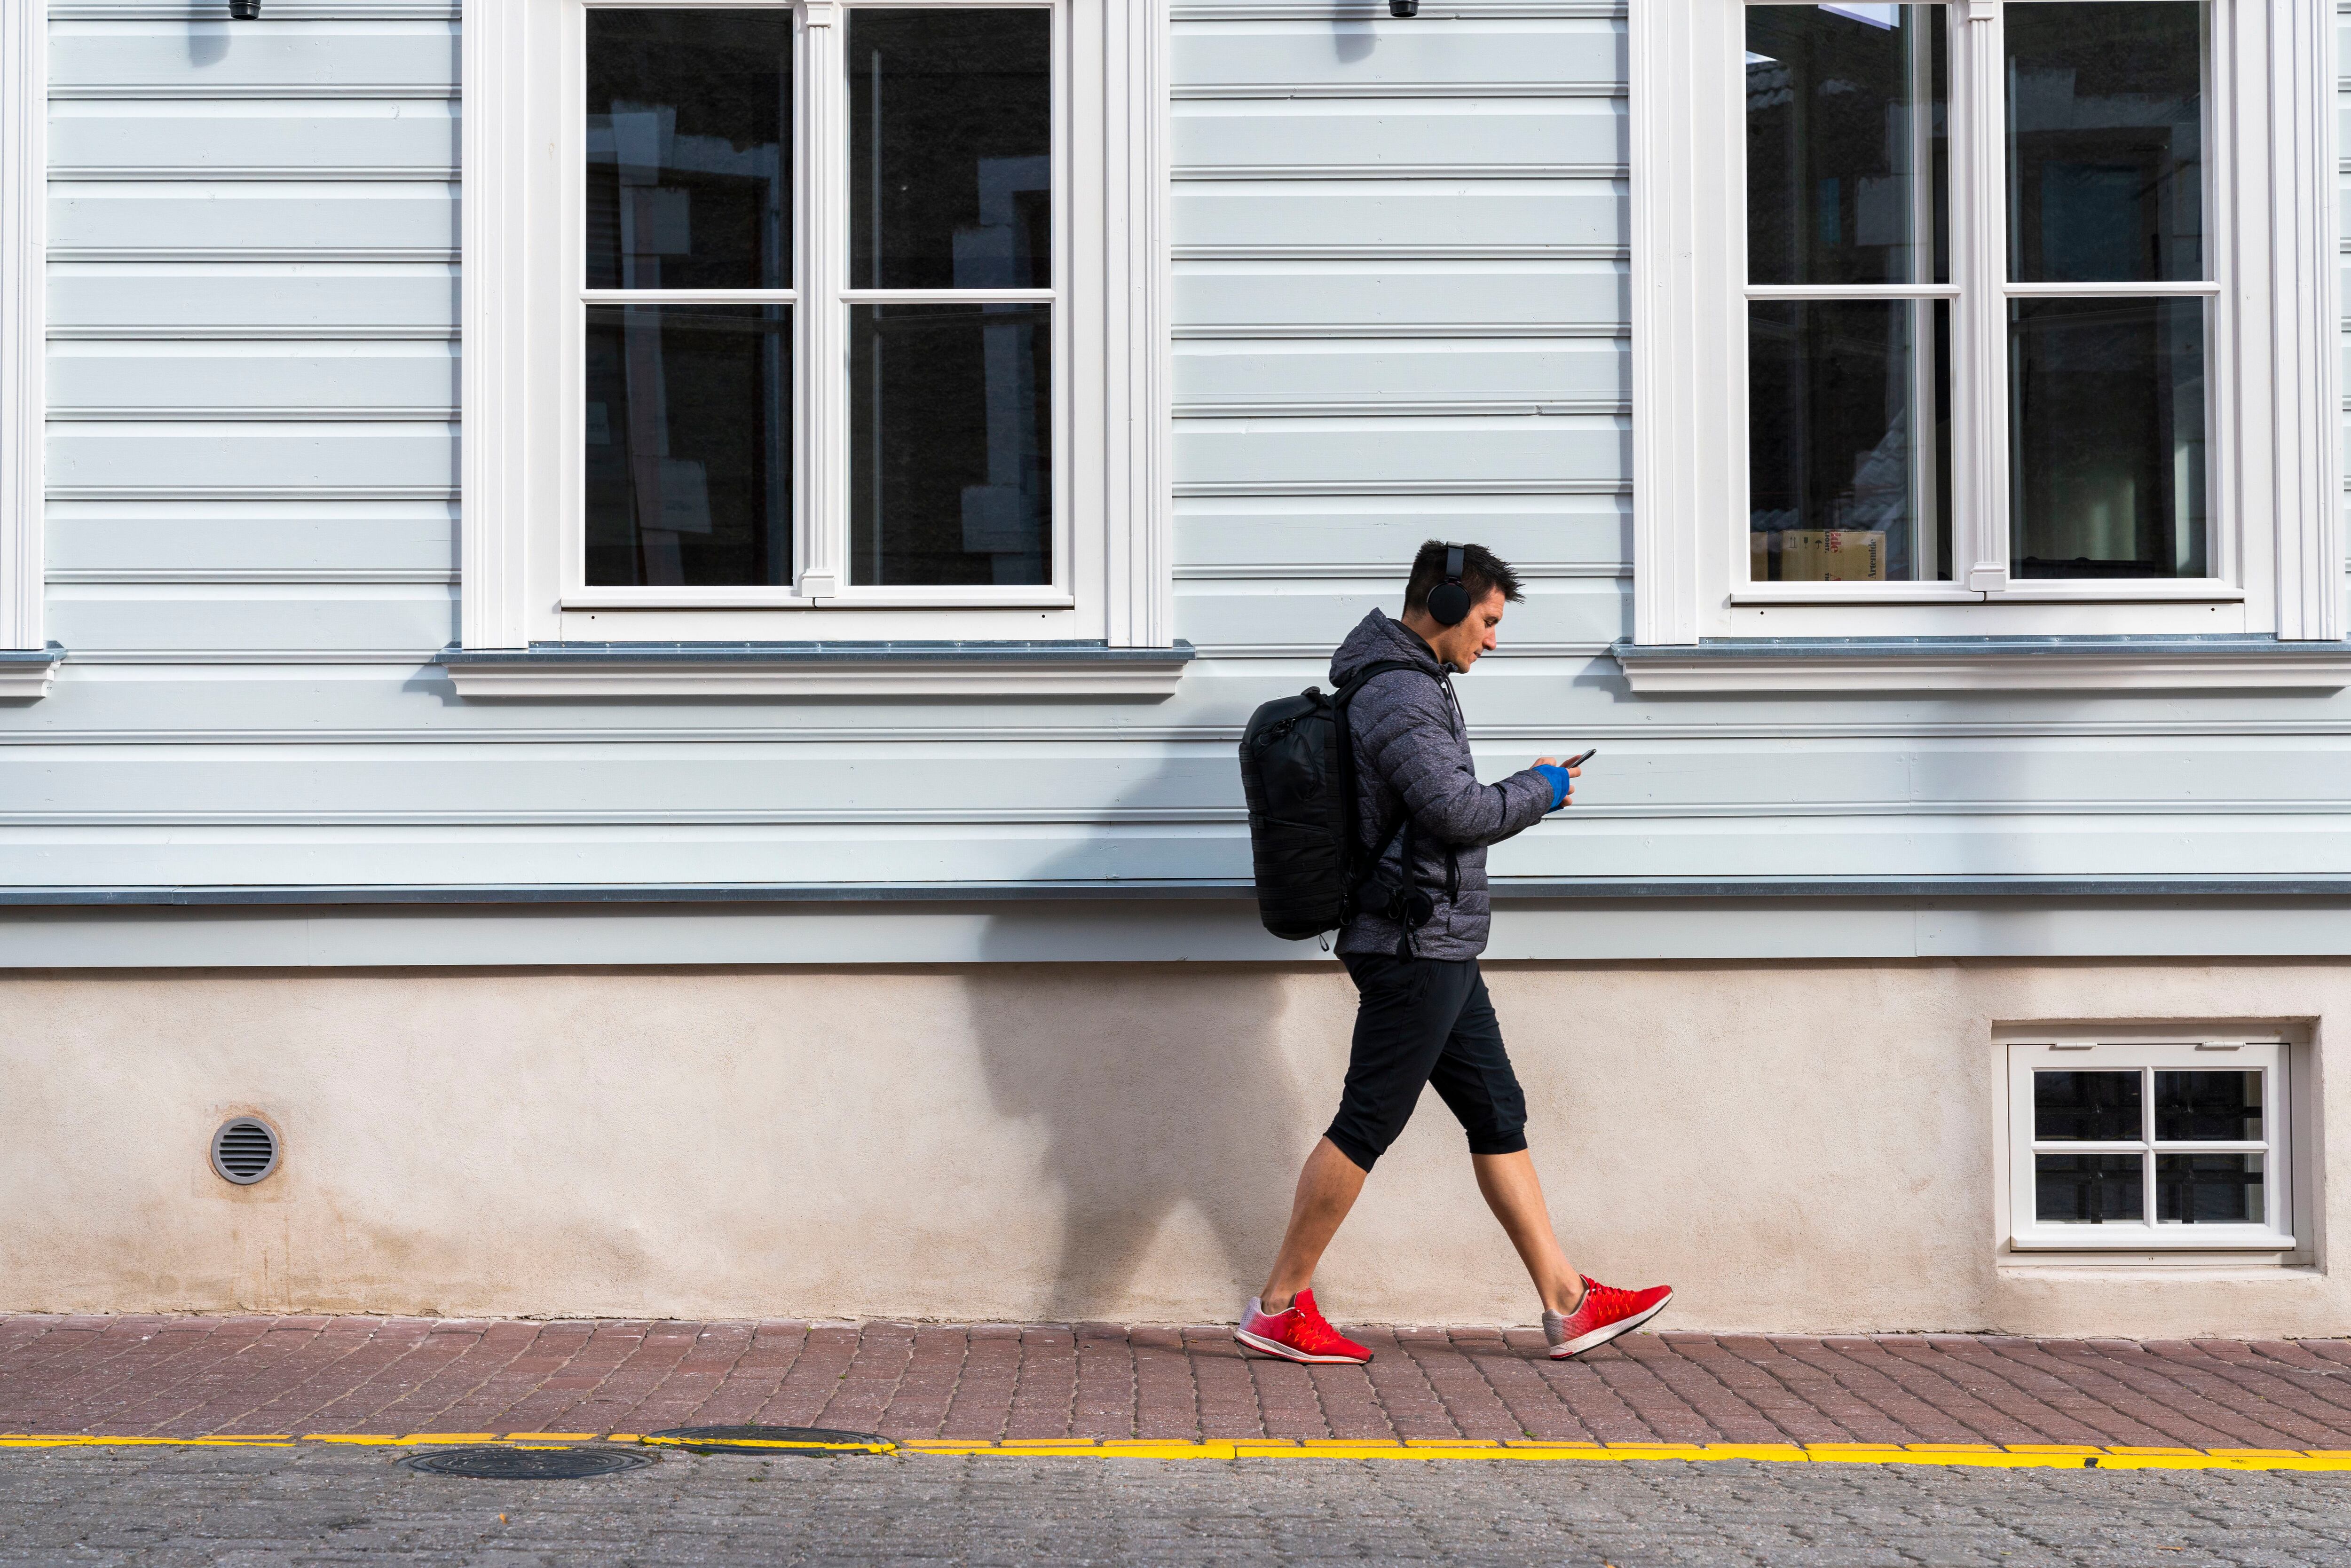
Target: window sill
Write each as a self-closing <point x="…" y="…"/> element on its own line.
<point x="2274" y="1263"/>
<point x="26" y="673"/>
<point x="791" y="670"/>
<point x="1853" y="593"/>
<point x="2193" y="590"/>
<point x="2215" y="1239"/>
<point x="657" y="597"/>
<point x="1984" y="665"/>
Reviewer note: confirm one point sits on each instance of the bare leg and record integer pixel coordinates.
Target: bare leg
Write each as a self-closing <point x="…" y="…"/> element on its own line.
<point x="1514" y="1193"/>
<point x="1327" y="1189"/>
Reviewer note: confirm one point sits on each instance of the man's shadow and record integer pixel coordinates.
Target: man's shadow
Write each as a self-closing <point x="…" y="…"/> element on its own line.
<point x="1168" y="1093"/>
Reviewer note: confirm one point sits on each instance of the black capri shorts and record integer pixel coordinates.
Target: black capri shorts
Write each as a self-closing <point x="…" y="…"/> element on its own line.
<point x="1425" y="1021"/>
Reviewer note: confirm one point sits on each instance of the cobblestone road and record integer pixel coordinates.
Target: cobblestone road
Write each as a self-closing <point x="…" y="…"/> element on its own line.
<point x="154" y="1508"/>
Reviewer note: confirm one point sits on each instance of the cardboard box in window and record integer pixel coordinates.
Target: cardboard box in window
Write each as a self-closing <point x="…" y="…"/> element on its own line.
<point x="1833" y="555"/>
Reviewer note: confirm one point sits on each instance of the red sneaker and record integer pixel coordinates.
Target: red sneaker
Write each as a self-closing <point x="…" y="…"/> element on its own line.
<point x="1604" y="1312"/>
<point x="1299" y="1334"/>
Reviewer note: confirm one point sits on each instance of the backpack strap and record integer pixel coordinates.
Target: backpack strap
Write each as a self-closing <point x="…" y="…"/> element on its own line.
<point x="1346" y="694"/>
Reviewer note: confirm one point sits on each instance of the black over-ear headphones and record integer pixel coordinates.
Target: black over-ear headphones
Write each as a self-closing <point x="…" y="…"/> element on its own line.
<point x="1448" y="602"/>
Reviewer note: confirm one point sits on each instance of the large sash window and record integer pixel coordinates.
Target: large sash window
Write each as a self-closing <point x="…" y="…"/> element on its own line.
<point x="809" y="328"/>
<point x="723" y="402"/>
<point x="2026" y="311"/>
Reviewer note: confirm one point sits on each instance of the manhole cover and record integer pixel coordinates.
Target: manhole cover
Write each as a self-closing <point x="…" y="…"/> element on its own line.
<point x="813" y="1442"/>
<point x="528" y="1463"/>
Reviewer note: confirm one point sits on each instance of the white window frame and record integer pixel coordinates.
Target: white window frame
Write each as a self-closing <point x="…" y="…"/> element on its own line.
<point x="2104" y="1052"/>
<point x="2273" y="443"/>
<point x="27" y="660"/>
<point x="525" y="171"/>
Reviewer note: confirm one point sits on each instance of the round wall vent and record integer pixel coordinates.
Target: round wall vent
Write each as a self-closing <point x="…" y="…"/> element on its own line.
<point x="245" y="1150"/>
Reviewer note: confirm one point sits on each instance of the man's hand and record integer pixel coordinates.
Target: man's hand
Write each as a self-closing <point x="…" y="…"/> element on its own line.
<point x="1568" y="800"/>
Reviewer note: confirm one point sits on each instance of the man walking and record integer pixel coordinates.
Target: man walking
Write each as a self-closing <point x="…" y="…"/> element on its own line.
<point x="1422" y="1017"/>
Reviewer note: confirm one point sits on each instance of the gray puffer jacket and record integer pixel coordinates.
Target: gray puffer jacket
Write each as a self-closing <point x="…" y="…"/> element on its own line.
<point x="1412" y="749"/>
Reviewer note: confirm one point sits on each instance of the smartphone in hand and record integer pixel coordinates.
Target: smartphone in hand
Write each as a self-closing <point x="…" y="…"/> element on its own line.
<point x="1578" y="761"/>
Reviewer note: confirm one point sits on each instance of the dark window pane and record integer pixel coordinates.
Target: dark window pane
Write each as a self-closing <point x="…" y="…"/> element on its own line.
<point x="1849" y="440"/>
<point x="2095" y="1107"/>
<point x="2106" y="125"/>
<point x="1847" y="166"/>
<point x="2086" y="1189"/>
<point x="950" y="149"/>
<point x="2208" y="1189"/>
<point x="2215" y="1106"/>
<point x="2107" y="420"/>
<point x="951" y="455"/>
<point x="689" y="443"/>
<point x="689" y="149"/>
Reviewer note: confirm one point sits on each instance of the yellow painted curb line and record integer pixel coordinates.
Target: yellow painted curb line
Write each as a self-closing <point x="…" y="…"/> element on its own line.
<point x="29" y="1440"/>
<point x="2017" y="1456"/>
<point x="742" y="1445"/>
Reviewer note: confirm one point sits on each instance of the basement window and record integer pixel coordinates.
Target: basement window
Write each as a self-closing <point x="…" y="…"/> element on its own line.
<point x="2170" y="1146"/>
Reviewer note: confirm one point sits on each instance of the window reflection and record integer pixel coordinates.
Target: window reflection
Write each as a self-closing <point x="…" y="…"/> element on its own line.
<point x="2107" y="425"/>
<point x="688" y="476"/>
<point x="2105" y="124"/>
<point x="950" y="445"/>
<point x="1846" y="161"/>
<point x="2209" y="1190"/>
<point x="2087" y="1190"/>
<point x="689" y="149"/>
<point x="950" y="147"/>
<point x="2094" y="1107"/>
<point x="1849" y="440"/>
<point x="2208" y="1107"/>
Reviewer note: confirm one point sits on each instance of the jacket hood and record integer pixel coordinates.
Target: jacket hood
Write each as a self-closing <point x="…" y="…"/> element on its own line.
<point x="1375" y="638"/>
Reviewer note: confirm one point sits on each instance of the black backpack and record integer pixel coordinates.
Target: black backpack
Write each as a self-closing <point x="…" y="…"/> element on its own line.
<point x="1298" y="771"/>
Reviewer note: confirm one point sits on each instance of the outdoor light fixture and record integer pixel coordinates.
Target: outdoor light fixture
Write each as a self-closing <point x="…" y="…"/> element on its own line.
<point x="250" y="10"/>
<point x="1395" y="7"/>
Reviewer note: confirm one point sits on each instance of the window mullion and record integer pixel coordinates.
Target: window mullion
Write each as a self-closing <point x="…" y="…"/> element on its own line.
<point x="824" y="360"/>
<point x="1925" y="373"/>
<point x="1979" y="264"/>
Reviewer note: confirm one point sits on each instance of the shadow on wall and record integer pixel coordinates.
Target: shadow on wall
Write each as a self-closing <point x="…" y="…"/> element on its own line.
<point x="208" y="42"/>
<point x="1158" y="1088"/>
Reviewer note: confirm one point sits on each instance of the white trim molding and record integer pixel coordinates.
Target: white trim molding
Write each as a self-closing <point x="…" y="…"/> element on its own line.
<point x="2304" y="220"/>
<point x="505" y="170"/>
<point x="1134" y="79"/>
<point x="26" y="673"/>
<point x="2275" y="546"/>
<point x="522" y="587"/>
<point x="1759" y="665"/>
<point x="636" y="670"/>
<point x="24" y="239"/>
<point x="1679" y="127"/>
<point x="2130" y="1138"/>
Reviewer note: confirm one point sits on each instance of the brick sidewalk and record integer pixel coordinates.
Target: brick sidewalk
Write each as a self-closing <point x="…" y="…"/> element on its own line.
<point x="179" y="1376"/>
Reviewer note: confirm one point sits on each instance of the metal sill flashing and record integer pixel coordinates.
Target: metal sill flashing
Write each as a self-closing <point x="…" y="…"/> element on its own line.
<point x="1889" y="665"/>
<point x="1229" y="889"/>
<point x="1042" y="669"/>
<point x="26" y="673"/>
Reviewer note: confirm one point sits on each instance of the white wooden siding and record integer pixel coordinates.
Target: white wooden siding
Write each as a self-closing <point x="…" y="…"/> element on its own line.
<point x="1400" y="304"/>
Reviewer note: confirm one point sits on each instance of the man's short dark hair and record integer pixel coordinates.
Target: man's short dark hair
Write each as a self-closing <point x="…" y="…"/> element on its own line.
<point x="1482" y="571"/>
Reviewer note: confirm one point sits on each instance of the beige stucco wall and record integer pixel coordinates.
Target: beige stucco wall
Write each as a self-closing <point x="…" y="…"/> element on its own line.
<point x="1803" y="1147"/>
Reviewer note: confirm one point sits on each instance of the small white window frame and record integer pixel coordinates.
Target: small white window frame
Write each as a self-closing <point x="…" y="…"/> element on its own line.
<point x="523" y="159"/>
<point x="2059" y="1052"/>
<point x="2272" y="445"/>
<point x="27" y="660"/>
